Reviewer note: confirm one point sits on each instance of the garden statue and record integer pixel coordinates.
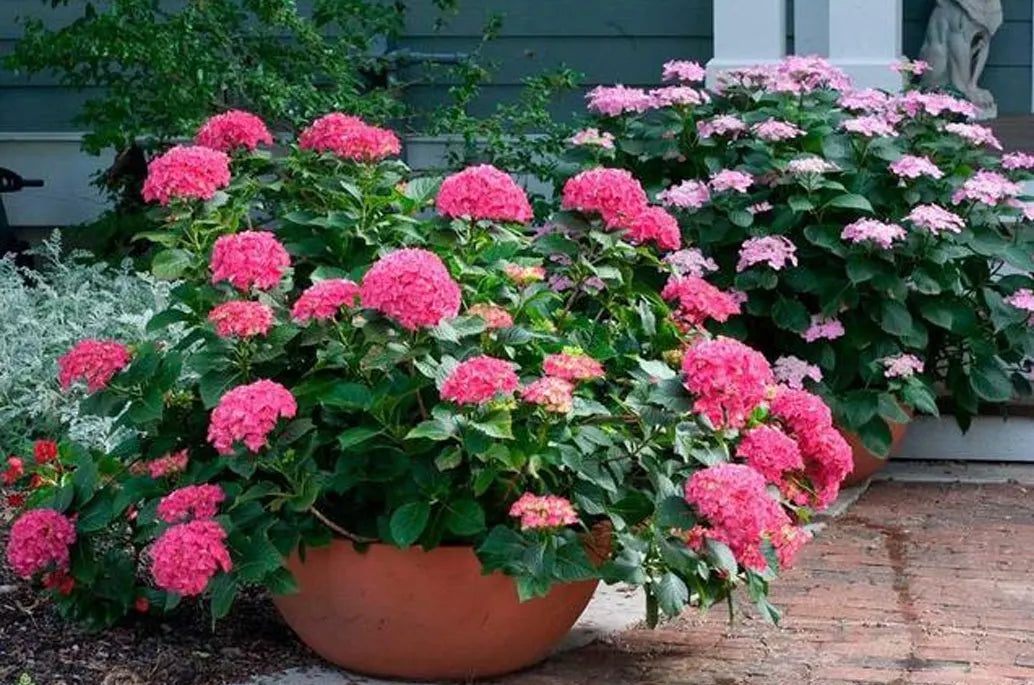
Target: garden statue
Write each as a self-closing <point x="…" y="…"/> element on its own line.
<point x="958" y="39"/>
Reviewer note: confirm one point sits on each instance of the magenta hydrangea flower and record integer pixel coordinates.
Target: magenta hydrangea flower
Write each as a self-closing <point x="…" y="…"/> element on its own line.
<point x="729" y="179"/>
<point x="775" y="250"/>
<point x="94" y="361"/>
<point x="880" y="232"/>
<point x="552" y="393"/>
<point x="234" y="129"/>
<point x="186" y="173"/>
<point x="686" y="195"/>
<point x="974" y="133"/>
<point x="40" y="539"/>
<point x="241" y="319"/>
<point x="248" y="414"/>
<point x="1017" y="160"/>
<point x="653" y="224"/>
<point x="683" y="70"/>
<point x="479" y="380"/>
<point x="413" y="287"/>
<point x="251" y="259"/>
<point x="543" y="512"/>
<point x="691" y="262"/>
<point x="325" y="299"/>
<point x="613" y="101"/>
<point x="791" y="371"/>
<point x="191" y="502"/>
<point x="614" y="194"/>
<point x="770" y="452"/>
<point x="593" y="138"/>
<point x="188" y="555"/>
<point x="912" y="166"/>
<point x="484" y="192"/>
<point x="988" y="187"/>
<point x="902" y="366"/>
<point x="722" y="125"/>
<point x="350" y="138"/>
<point x="869" y="126"/>
<point x="823" y="328"/>
<point x="935" y="219"/>
<point x="166" y="465"/>
<point x="697" y="301"/>
<point x="775" y="131"/>
<point x="727" y="379"/>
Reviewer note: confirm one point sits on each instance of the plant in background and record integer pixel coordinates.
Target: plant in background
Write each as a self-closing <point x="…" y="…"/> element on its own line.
<point x="877" y="247"/>
<point x="356" y="366"/>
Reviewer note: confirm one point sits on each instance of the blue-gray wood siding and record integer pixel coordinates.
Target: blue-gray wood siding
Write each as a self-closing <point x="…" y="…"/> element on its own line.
<point x="610" y="41"/>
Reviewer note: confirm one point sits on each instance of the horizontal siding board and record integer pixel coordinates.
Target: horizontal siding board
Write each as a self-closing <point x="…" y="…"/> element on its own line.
<point x="41" y="109"/>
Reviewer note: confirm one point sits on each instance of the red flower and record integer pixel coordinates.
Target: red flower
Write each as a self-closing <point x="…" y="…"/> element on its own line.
<point x="15" y="470"/>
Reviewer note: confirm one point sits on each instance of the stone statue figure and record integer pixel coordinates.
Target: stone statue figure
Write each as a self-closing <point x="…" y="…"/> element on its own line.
<point x="958" y="38"/>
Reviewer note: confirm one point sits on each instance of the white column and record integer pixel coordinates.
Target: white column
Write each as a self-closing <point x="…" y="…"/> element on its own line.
<point x="865" y="40"/>
<point x="747" y="32"/>
<point x="811" y="27"/>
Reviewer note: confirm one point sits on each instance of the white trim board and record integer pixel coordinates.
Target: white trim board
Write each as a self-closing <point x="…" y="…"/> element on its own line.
<point x="988" y="439"/>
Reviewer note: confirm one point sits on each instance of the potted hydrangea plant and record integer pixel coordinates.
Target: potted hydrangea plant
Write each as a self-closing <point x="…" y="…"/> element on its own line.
<point x="380" y="410"/>
<point x="873" y="243"/>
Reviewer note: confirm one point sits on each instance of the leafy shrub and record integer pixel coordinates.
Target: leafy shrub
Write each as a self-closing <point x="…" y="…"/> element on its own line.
<point x="356" y="365"/>
<point x="878" y="244"/>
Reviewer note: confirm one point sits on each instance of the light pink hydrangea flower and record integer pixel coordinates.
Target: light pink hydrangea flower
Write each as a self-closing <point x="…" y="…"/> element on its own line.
<point x="791" y="371"/>
<point x="479" y="380"/>
<point x="810" y="165"/>
<point x="880" y="232"/>
<point x="593" y="137"/>
<point x="774" y="250"/>
<point x="912" y="166"/>
<point x="974" y="133"/>
<point x="672" y="96"/>
<point x="686" y="195"/>
<point x="935" y="219"/>
<point x="484" y="192"/>
<point x="1022" y="299"/>
<point x="775" y="131"/>
<point x="760" y="207"/>
<point x="723" y="125"/>
<point x="691" y="262"/>
<point x="865" y="100"/>
<point x="241" y="319"/>
<point x="1017" y="160"/>
<point x="683" y="70"/>
<point x="823" y="328"/>
<point x="493" y="315"/>
<point x="552" y="393"/>
<point x="248" y="414"/>
<point x="538" y="512"/>
<point x="870" y="126"/>
<point x="413" y="287"/>
<point x="914" y="67"/>
<point x="523" y="275"/>
<point x="902" y="366"/>
<point x="616" y="100"/>
<point x="913" y="102"/>
<point x="729" y="179"/>
<point x="988" y="187"/>
<point x="572" y="365"/>
<point x="188" y="555"/>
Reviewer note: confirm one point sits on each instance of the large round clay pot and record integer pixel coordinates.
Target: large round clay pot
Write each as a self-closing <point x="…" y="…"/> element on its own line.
<point x="423" y="615"/>
<point x="865" y="462"/>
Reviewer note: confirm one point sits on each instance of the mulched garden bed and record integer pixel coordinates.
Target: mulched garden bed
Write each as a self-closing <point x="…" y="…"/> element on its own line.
<point x="179" y="650"/>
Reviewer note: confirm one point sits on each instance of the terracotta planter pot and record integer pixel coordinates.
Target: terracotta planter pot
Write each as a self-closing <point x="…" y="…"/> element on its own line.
<point x="423" y="615"/>
<point x="865" y="462"/>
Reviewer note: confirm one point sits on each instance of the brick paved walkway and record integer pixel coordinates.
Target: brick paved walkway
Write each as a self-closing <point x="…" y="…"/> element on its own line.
<point x="917" y="583"/>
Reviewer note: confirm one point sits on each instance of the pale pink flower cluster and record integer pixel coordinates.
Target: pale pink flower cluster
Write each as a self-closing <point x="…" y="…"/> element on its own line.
<point x="1027" y="208"/>
<point x="673" y="96"/>
<point x="93" y="361"/>
<point x="697" y="301"/>
<point x="484" y="192"/>
<point x="827" y="456"/>
<point x="791" y="371"/>
<point x="914" y="102"/>
<point x="248" y="414"/>
<point x="796" y="74"/>
<point x="523" y="275"/>
<point x="186" y="173"/>
<point x="40" y="539"/>
<point x="902" y="366"/>
<point x="656" y="225"/>
<point x="935" y="219"/>
<point x="691" y="262"/>
<point x="1022" y="299"/>
<point x="349" y="137"/>
<point x="974" y="133"/>
<point x="325" y="299"/>
<point x="810" y="165"/>
<point x="593" y="137"/>
<point x="774" y="131"/>
<point x="251" y="259"/>
<point x="572" y="365"/>
<point x="191" y="502"/>
<point x="683" y="70"/>
<point x="612" y="193"/>
<point x="552" y="393"/>
<point x="241" y="319"/>
<point x="760" y="207"/>
<point x="988" y="187"/>
<point x="188" y="555"/>
<point x="234" y="129"/>
<point x="616" y="100"/>
<point x="166" y="465"/>
<point x="870" y="126"/>
<point x="865" y="100"/>
<point x="729" y="179"/>
<point x="727" y="379"/>
<point x="479" y="380"/>
<point x="880" y="232"/>
<point x="770" y="452"/>
<point x="538" y="512"/>
<point x="413" y="287"/>
<point x="914" y="67"/>
<point x="775" y="250"/>
<point x="823" y="328"/>
<point x="686" y="195"/>
<point x="1017" y="160"/>
<point x="723" y="125"/>
<point x="493" y="315"/>
<point x="912" y="166"/>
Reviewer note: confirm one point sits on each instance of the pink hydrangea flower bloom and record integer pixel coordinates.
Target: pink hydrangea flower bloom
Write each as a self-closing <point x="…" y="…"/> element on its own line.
<point x="729" y="179"/>
<point x="186" y="173"/>
<point x="907" y="66"/>
<point x="616" y="100"/>
<point x="251" y="259"/>
<point x="988" y="187"/>
<point x="40" y="539"/>
<point x="543" y="511"/>
<point x="523" y="275"/>
<point x="770" y="452"/>
<point x="1022" y="299"/>
<point x="882" y="233"/>
<point x="349" y="137"/>
<point x="911" y="166"/>
<point x="760" y="208"/>
<point x="774" y="250"/>
<point x="914" y="102"/>
<point x="484" y="192"/>
<point x="166" y="465"/>
<point x="479" y="380"/>
<point x="775" y="131"/>
<point x="234" y="129"/>
<point x="593" y="137"/>
<point x="686" y="195"/>
<point x="493" y="316"/>
<point x="241" y="319"/>
<point x="656" y="225"/>
<point x="974" y="133"/>
<point x="682" y="70"/>
<point x="728" y="379"/>
<point x="791" y="371"/>
<point x="697" y="301"/>
<point x="823" y="328"/>
<point x="188" y="555"/>
<point x="803" y="166"/>
<point x="1017" y="160"/>
<point x="191" y="502"/>
<point x="572" y="365"/>
<point x="612" y="193"/>
<point x="248" y="414"/>
<point x="673" y="96"/>
<point x="691" y="262"/>
<point x="552" y="393"/>
<point x="935" y="219"/>
<point x="413" y="287"/>
<point x="902" y="366"/>
<point x="865" y="100"/>
<point x="869" y="126"/>
<point x="723" y="125"/>
<point x="325" y="299"/>
<point x="93" y="361"/>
